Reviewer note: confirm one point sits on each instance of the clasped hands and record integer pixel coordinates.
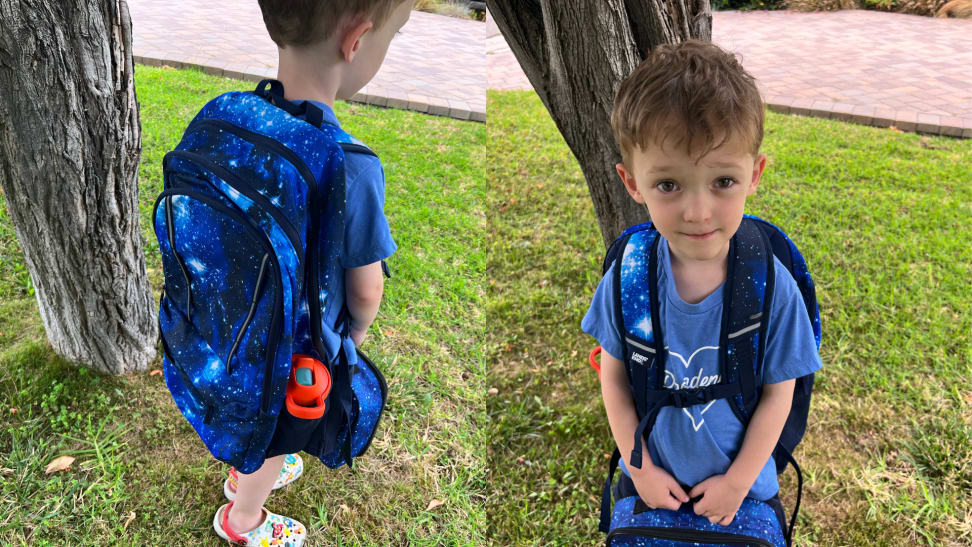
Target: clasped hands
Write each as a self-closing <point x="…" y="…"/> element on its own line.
<point x="721" y="497"/>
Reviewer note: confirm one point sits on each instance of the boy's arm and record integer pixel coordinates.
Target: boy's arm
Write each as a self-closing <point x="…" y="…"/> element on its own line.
<point x="724" y="493"/>
<point x="655" y="486"/>
<point x="364" y="287"/>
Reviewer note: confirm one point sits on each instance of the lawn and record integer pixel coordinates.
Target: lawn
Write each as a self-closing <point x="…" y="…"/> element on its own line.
<point x="142" y="476"/>
<point x="883" y="219"/>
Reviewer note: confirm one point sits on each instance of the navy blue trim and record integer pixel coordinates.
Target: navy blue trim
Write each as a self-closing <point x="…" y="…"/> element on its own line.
<point x="613" y="256"/>
<point x="636" y="228"/>
<point x="605" y="522"/>
<point x="383" y="386"/>
<point x="357" y="148"/>
<point x="249" y="316"/>
<point x="170" y="229"/>
<point x="656" y="327"/>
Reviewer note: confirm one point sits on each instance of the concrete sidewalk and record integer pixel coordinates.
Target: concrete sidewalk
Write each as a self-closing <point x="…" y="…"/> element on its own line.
<point x="437" y="64"/>
<point x="867" y="67"/>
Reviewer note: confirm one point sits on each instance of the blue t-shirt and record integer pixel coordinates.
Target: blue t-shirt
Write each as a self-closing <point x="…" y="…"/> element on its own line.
<point x="367" y="238"/>
<point x="700" y="441"/>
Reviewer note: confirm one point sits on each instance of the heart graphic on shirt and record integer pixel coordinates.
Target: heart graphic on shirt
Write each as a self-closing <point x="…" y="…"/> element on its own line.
<point x="694" y="353"/>
<point x="695" y="426"/>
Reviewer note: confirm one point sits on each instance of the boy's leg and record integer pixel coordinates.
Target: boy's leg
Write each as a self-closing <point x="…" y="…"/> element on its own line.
<point x="251" y="493"/>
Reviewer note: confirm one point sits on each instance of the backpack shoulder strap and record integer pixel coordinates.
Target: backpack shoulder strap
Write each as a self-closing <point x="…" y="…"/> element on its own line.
<point x="790" y="257"/>
<point x="745" y="312"/>
<point x="635" y="297"/>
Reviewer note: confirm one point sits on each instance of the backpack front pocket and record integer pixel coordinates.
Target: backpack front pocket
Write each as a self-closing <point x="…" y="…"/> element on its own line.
<point x="755" y="524"/>
<point x="670" y="537"/>
<point x="222" y="314"/>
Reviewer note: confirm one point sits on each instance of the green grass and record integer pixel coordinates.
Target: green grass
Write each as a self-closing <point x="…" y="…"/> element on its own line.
<point x="142" y="476"/>
<point x="884" y="220"/>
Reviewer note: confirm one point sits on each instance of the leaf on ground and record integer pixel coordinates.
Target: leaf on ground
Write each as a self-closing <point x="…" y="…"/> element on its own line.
<point x="433" y="504"/>
<point x="493" y="391"/>
<point x="60" y="463"/>
<point x="128" y="519"/>
<point x="155" y="372"/>
<point x="6" y="471"/>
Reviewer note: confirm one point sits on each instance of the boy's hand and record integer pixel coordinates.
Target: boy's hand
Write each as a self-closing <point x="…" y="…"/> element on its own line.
<point x="657" y="488"/>
<point x="721" y="499"/>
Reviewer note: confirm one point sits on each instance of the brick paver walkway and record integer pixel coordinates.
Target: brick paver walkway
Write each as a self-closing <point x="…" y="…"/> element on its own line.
<point x="437" y="64"/>
<point x="862" y="66"/>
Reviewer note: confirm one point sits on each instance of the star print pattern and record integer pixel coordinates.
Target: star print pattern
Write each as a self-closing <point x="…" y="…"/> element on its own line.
<point x="238" y="194"/>
<point x="754" y="519"/>
<point x="635" y="292"/>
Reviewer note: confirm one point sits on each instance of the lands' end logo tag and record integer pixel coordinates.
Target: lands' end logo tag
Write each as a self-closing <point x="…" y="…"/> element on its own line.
<point x="639" y="358"/>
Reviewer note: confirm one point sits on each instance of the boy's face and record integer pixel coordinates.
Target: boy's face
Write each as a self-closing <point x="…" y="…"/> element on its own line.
<point x="696" y="206"/>
<point x="371" y="50"/>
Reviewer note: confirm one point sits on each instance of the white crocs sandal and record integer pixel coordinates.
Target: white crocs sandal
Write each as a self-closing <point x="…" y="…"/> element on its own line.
<point x="292" y="469"/>
<point x="275" y="530"/>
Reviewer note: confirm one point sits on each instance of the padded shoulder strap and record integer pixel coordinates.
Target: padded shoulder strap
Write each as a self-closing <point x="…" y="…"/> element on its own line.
<point x="747" y="297"/>
<point x="637" y="303"/>
<point x="789" y="256"/>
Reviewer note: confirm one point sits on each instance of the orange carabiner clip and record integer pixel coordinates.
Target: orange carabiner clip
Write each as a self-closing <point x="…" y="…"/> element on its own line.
<point x="594" y="362"/>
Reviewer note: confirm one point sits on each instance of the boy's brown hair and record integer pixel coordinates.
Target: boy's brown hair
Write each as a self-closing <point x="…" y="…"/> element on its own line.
<point x="694" y="92"/>
<point x="305" y="22"/>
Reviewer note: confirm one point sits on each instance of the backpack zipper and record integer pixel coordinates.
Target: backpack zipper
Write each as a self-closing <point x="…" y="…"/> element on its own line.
<point x="250" y="314"/>
<point x="205" y="401"/>
<point x="182" y="265"/>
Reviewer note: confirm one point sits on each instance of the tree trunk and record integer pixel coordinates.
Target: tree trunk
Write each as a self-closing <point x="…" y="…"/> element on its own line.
<point x="575" y="54"/>
<point x="69" y="147"/>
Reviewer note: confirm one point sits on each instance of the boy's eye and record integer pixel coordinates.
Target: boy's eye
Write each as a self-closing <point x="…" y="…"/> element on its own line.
<point x="725" y="182"/>
<point x="666" y="186"/>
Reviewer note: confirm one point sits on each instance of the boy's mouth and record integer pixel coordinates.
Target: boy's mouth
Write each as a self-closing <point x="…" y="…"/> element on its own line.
<point x="700" y="236"/>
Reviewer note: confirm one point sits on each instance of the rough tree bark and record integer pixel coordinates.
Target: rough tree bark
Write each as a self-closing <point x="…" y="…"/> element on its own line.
<point x="575" y="54"/>
<point x="69" y="147"/>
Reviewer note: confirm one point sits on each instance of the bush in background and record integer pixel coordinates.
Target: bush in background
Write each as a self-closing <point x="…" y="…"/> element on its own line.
<point x="914" y="7"/>
<point x="452" y="8"/>
<point x="747" y="5"/>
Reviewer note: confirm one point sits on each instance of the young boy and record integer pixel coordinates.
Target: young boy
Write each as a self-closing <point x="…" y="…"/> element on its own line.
<point x="328" y="50"/>
<point x="689" y="123"/>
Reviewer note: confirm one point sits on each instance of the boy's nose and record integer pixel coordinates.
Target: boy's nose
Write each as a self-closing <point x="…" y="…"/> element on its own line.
<point x="697" y="208"/>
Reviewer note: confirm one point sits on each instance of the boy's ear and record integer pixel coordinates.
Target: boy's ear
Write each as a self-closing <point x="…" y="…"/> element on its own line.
<point x="352" y="38"/>
<point x="758" y="166"/>
<point x="629" y="183"/>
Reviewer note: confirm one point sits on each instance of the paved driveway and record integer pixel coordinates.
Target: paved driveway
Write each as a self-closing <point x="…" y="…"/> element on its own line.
<point x="863" y="66"/>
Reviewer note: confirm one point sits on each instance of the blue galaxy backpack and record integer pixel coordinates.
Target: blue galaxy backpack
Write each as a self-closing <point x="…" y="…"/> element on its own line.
<point x="251" y="213"/>
<point x="747" y="295"/>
